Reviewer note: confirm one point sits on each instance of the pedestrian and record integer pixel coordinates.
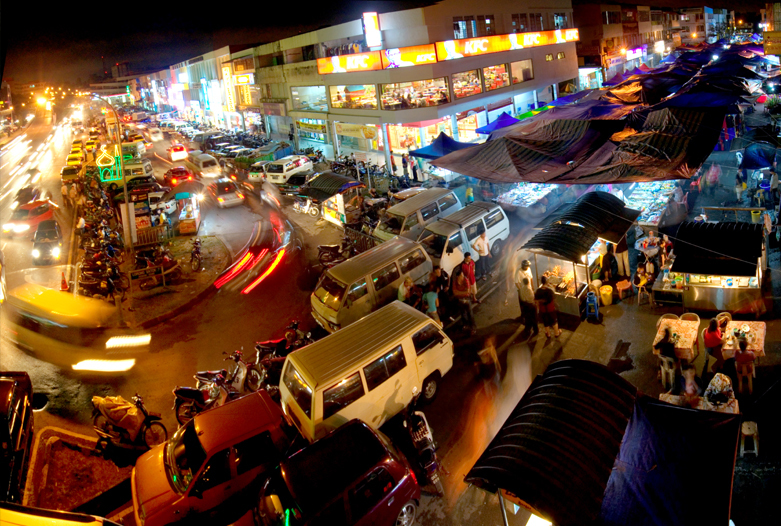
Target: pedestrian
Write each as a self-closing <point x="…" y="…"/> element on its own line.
<point x="665" y="249"/>
<point x="526" y="270"/>
<point x="468" y="269"/>
<point x="713" y="340"/>
<point x="740" y="185"/>
<point x="622" y="258"/>
<point x="405" y="290"/>
<point x="431" y="302"/>
<point x="546" y="306"/>
<point x="414" y="170"/>
<point x="441" y="282"/>
<point x="480" y="246"/>
<point x="528" y="308"/>
<point x="393" y="163"/>
<point x="463" y="295"/>
<point x="470" y="194"/>
<point x="609" y="263"/>
<point x="405" y="165"/>
<point x="73" y="194"/>
<point x="714" y="172"/>
<point x="81" y="225"/>
<point x="65" y="198"/>
<point x="774" y="194"/>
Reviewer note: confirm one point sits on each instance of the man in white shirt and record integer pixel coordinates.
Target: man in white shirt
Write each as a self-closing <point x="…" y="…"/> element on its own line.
<point x="526" y="300"/>
<point x="480" y="246"/>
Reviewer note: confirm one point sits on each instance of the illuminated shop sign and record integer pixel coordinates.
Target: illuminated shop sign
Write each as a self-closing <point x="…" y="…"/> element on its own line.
<point x="183" y="78"/>
<point x="634" y="53"/>
<point x="408" y="56"/>
<point x="371" y="29"/>
<point x="230" y="96"/>
<point x="349" y="63"/>
<point x="470" y="47"/>
<point x="244" y="80"/>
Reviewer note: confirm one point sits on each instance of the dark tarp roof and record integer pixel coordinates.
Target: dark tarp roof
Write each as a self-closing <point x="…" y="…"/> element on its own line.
<point x="556" y="450"/>
<point x="327" y="184"/>
<point x="570" y="98"/>
<point x="618" y="78"/>
<point x="663" y="446"/>
<point x="442" y="145"/>
<point x="603" y="213"/>
<point x="718" y="249"/>
<point x="584" y="448"/>
<point x="502" y="121"/>
<point x="562" y="241"/>
<point x="758" y="155"/>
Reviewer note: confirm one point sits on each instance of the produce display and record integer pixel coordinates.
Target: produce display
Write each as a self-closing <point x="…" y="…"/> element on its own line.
<point x="651" y="199"/>
<point x="525" y="194"/>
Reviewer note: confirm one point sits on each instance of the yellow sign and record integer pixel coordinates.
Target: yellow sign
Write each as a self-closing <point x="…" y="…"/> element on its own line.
<point x="356" y="130"/>
<point x="229" y="91"/>
<point x="772" y="42"/>
<point x="312" y="128"/>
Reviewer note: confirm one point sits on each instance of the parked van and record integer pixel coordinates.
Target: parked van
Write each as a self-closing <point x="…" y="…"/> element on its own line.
<point x="408" y="219"/>
<point x="203" y="164"/>
<point x="370" y="370"/>
<point x="448" y="239"/>
<point x="279" y="171"/>
<point x="15" y="515"/>
<point x="136" y="149"/>
<point x="362" y="284"/>
<point x="202" y="136"/>
<point x="134" y="170"/>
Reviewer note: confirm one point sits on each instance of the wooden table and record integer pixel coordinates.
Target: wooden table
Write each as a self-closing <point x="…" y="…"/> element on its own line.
<point x="758" y="329"/>
<point x="687" y="331"/>
<point x="702" y="404"/>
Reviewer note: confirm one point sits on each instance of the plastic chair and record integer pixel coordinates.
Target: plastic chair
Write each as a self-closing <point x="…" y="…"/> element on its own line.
<point x="745" y="371"/>
<point x="690" y="316"/>
<point x="667" y="365"/>
<point x="592" y="306"/>
<point x="665" y="317"/>
<point x="640" y="291"/>
<point x="622" y="287"/>
<point x="749" y="429"/>
<point x="721" y="315"/>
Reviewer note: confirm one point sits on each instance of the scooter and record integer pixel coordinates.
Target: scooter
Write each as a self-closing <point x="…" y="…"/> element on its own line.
<point x="191" y="401"/>
<point x="125" y="424"/>
<point x="326" y="253"/>
<point x="246" y="377"/>
<point x="308" y="207"/>
<point x="423" y="440"/>
<point x="269" y="347"/>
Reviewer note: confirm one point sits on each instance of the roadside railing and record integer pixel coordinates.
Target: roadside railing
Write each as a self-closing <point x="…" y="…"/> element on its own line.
<point x="152" y="235"/>
<point x="360" y="240"/>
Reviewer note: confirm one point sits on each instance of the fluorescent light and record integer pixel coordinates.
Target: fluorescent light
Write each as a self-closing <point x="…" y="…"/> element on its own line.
<point x="534" y="520"/>
<point x="106" y="366"/>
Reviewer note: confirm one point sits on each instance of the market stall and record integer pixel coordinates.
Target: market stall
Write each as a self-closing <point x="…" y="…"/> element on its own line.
<point x="529" y="201"/>
<point x="188" y="196"/>
<point x="336" y="193"/>
<point x="721" y="266"/>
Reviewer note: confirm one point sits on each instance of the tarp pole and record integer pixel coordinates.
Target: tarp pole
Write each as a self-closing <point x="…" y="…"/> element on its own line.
<point x="502" y="508"/>
<point x="536" y="271"/>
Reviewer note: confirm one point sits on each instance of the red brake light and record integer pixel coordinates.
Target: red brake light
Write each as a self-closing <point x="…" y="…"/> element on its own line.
<point x="241" y="196"/>
<point x="233" y="177"/>
<point x="189" y="177"/>
<point x="220" y="199"/>
<point x="173" y="181"/>
<point x="412" y="474"/>
<point x="263" y="276"/>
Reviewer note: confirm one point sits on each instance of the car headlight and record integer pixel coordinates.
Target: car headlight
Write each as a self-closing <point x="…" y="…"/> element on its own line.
<point x="55" y="252"/>
<point x="8" y="227"/>
<point x="14" y="205"/>
<point x="36" y="253"/>
<point x="21" y="228"/>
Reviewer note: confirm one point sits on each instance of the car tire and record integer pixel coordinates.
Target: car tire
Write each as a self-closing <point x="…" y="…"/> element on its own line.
<point x="496" y="249"/>
<point x="185" y="411"/>
<point x="407" y="513"/>
<point x="430" y="388"/>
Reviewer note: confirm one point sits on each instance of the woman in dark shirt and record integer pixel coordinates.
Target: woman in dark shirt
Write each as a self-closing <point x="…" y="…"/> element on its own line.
<point x="665" y="346"/>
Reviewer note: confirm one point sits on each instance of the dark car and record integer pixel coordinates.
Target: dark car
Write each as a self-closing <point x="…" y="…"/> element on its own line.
<point x="47" y="242"/>
<point x="351" y="476"/>
<point x="148" y="184"/>
<point x="176" y="175"/>
<point x="295" y="182"/>
<point x="26" y="194"/>
<point x="16" y="433"/>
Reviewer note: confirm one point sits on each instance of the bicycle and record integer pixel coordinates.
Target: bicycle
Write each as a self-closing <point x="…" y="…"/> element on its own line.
<point x="195" y="255"/>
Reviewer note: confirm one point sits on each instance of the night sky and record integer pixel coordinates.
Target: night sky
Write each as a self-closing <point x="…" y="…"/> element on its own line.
<point x="63" y="42"/>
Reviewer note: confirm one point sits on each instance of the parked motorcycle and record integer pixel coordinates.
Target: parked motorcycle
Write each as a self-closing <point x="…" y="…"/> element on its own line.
<point x="125" y="424"/>
<point x="305" y="205"/>
<point x="195" y="255"/>
<point x="327" y="253"/>
<point x="426" y="449"/>
<point x="101" y="287"/>
<point x="280" y="347"/>
<point x="246" y="377"/>
<point x="190" y="401"/>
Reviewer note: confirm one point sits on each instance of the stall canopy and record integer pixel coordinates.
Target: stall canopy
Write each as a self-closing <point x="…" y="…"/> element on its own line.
<point x="562" y="241"/>
<point x="502" y="121"/>
<point x="184" y="190"/>
<point x="604" y="214"/>
<point x="584" y="448"/>
<point x="327" y="184"/>
<point x="758" y="155"/>
<point x="618" y="78"/>
<point x="441" y="146"/>
<point x="718" y="249"/>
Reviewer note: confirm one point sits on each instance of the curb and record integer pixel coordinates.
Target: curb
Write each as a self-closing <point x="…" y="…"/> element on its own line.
<point x="204" y="294"/>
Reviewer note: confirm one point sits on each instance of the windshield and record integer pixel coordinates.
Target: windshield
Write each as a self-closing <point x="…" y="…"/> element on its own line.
<point x="209" y="164"/>
<point x="433" y="243"/>
<point x="299" y="389"/>
<point x="330" y="292"/>
<point x="184" y="456"/>
<point x="392" y="224"/>
<point x="275" y="168"/>
<point x="42" y="236"/>
<point x="20" y="214"/>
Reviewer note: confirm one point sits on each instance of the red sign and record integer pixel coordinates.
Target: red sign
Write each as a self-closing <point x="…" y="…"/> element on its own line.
<point x="349" y="63"/>
<point x="408" y="56"/>
<point x="469" y="47"/>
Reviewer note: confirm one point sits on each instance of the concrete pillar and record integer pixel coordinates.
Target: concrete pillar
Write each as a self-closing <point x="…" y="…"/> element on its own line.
<point x="337" y="149"/>
<point x="454" y="126"/>
<point x="386" y="143"/>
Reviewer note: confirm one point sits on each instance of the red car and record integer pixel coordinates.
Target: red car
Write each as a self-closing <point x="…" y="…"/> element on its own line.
<point x="176" y="175"/>
<point x="28" y="216"/>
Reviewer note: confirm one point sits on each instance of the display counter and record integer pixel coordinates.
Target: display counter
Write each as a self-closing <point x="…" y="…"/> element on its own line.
<point x="568" y="280"/>
<point x="722" y="293"/>
<point x="530" y="201"/>
<point x="651" y="199"/>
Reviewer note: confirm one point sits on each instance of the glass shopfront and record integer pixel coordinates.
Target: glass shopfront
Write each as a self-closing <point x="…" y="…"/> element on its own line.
<point x="312" y="129"/>
<point x="359" y="97"/>
<point x="415" y="94"/>
<point x="309" y="98"/>
<point x="522" y="71"/>
<point x="466" y="84"/>
<point x="468" y="122"/>
<point x="496" y="77"/>
<point x="403" y="138"/>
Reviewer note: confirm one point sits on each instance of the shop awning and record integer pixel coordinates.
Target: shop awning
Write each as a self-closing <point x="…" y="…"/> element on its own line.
<point x="327" y="184"/>
<point x="441" y="146"/>
<point x="718" y="249"/>
<point x="583" y="447"/>
<point x="188" y="187"/>
<point x="502" y="121"/>
<point x="562" y="241"/>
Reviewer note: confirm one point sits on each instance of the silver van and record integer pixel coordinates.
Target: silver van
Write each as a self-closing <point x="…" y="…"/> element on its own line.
<point x="362" y="284"/>
<point x="448" y="239"/>
<point x="203" y="164"/>
<point x="408" y="219"/>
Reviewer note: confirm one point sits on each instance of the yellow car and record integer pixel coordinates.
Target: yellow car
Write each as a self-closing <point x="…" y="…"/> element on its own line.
<point x="74" y="159"/>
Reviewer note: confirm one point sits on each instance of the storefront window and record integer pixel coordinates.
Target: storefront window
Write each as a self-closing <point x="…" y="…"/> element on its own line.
<point x="311" y="129"/>
<point x="416" y="94"/>
<point x="403" y="138"/>
<point x="361" y="97"/>
<point x="496" y="77"/>
<point x="432" y="132"/>
<point x="466" y="84"/>
<point x="522" y="71"/>
<point x="309" y="98"/>
<point x="468" y="122"/>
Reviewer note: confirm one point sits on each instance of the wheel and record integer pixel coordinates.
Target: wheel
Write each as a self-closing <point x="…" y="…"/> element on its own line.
<point x="100" y="421"/>
<point x="155" y="434"/>
<point x="148" y="284"/>
<point x="406" y="516"/>
<point x="185" y="411"/>
<point x="255" y="379"/>
<point x="325" y="257"/>
<point x="195" y="263"/>
<point x="175" y="275"/>
<point x="430" y="388"/>
<point x="496" y="250"/>
<point x="314" y="211"/>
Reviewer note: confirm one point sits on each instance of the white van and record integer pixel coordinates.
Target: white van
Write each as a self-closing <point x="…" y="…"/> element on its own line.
<point x="203" y="164"/>
<point x="202" y="136"/>
<point x="155" y="134"/>
<point x="407" y="219"/>
<point x="133" y="170"/>
<point x="371" y="370"/>
<point x="448" y="239"/>
<point x="15" y="515"/>
<point x="279" y="171"/>
<point x="362" y="284"/>
<point x="136" y="149"/>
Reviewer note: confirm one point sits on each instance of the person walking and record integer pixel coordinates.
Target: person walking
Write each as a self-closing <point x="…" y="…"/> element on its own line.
<point x="480" y="246"/>
<point x="405" y="290"/>
<point x="393" y="163"/>
<point x="414" y="170"/>
<point x="546" y="305"/>
<point x="528" y="308"/>
<point x="468" y="269"/>
<point x="431" y="302"/>
<point x="405" y="165"/>
<point x="463" y="295"/>
<point x="622" y="258"/>
<point x="65" y="197"/>
<point x="73" y="194"/>
<point x="774" y="195"/>
<point x="714" y="172"/>
<point x="740" y="183"/>
<point x="81" y="225"/>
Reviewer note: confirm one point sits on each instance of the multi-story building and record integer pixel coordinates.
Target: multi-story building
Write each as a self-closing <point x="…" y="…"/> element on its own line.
<point x="771" y="16"/>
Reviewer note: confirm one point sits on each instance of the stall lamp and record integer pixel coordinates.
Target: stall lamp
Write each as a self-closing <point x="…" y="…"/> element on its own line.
<point x="623" y="51"/>
<point x="200" y="197"/>
<point x="535" y="520"/>
<point x="715" y="57"/>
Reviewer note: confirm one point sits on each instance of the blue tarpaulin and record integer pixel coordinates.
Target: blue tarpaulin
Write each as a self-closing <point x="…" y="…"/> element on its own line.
<point x="502" y="121"/>
<point x="758" y="156"/>
<point x="442" y="145"/>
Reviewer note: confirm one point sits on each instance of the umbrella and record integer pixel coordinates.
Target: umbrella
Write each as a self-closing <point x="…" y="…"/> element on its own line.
<point x="188" y="187"/>
<point x="762" y="98"/>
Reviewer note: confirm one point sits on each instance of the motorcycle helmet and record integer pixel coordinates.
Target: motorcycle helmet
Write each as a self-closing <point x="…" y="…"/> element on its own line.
<point x="525" y="264"/>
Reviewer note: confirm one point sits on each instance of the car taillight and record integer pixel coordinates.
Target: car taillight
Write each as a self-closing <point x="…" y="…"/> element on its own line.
<point x="241" y="196"/>
<point x="220" y="199"/>
<point x="173" y="181"/>
<point x="412" y="474"/>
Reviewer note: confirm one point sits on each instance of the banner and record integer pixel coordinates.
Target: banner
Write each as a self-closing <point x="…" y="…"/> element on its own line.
<point x="772" y="42"/>
<point x="408" y="56"/>
<point x="356" y="130"/>
<point x="470" y="47"/>
<point x="312" y="128"/>
<point x="349" y="63"/>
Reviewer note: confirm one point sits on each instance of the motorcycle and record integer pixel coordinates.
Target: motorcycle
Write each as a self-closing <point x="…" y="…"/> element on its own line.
<point x="326" y="253"/>
<point x="195" y="255"/>
<point x="102" y="287"/>
<point x="426" y="449"/>
<point x="310" y="207"/>
<point x="246" y="377"/>
<point x="126" y="424"/>
<point x="269" y="347"/>
<point x="191" y="401"/>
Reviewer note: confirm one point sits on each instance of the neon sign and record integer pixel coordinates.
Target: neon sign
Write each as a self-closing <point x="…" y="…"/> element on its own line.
<point x="408" y="56"/>
<point x="349" y="63"/>
<point x="371" y="29"/>
<point x="111" y="166"/>
<point x="229" y="91"/>
<point x="469" y="47"/>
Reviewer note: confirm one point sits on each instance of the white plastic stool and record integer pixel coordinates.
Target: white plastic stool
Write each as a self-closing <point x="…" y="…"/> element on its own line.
<point x="749" y="429"/>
